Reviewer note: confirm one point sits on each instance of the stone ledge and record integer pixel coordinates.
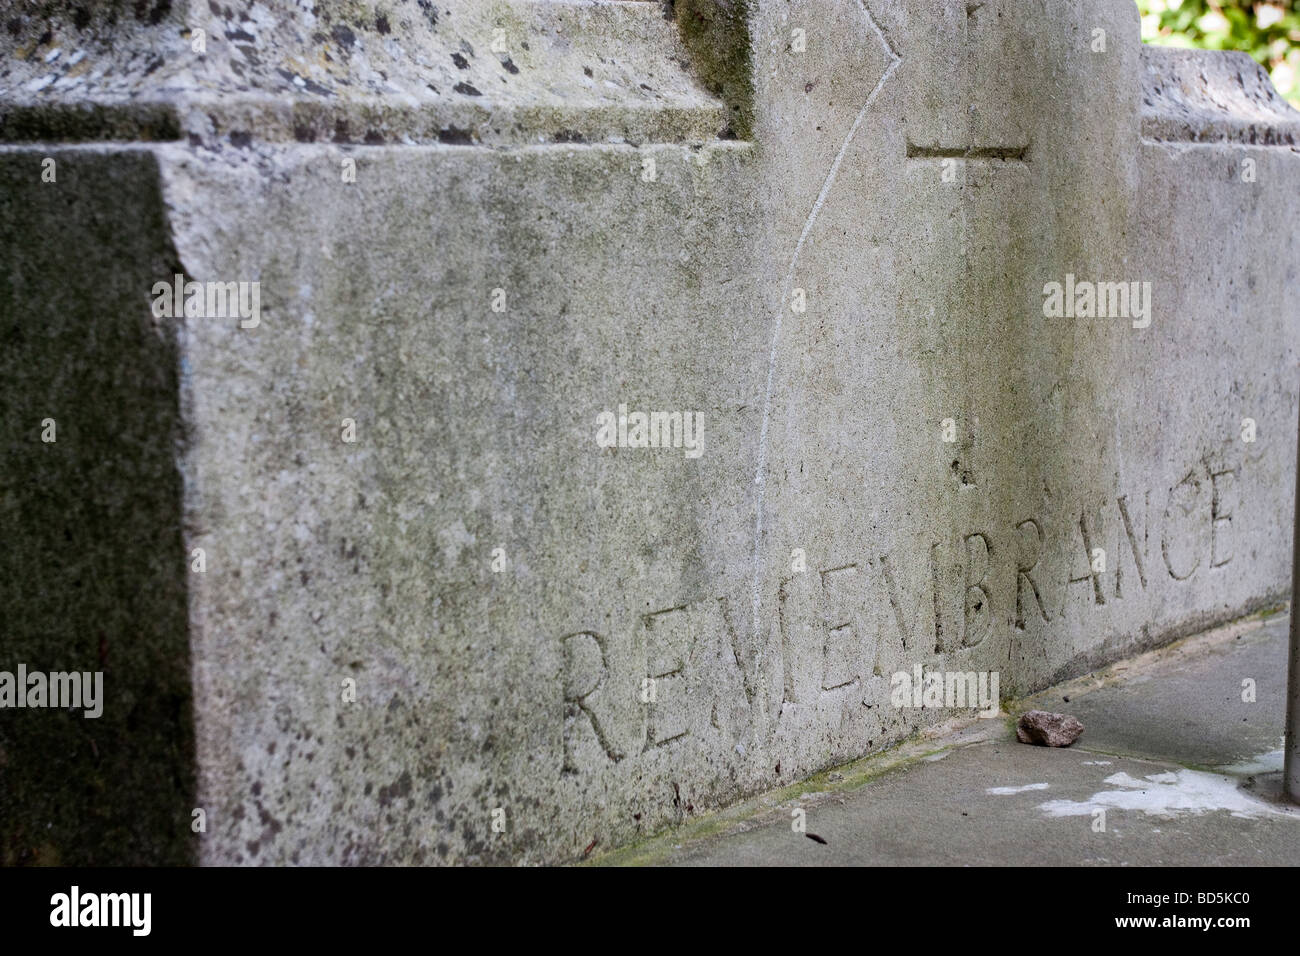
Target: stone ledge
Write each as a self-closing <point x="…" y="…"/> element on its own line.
<point x="1194" y="96"/>
<point x="562" y="71"/>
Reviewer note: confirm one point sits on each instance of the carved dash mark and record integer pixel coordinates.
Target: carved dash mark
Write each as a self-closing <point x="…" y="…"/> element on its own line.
<point x="815" y="838"/>
<point x="760" y="472"/>
<point x="1006" y="154"/>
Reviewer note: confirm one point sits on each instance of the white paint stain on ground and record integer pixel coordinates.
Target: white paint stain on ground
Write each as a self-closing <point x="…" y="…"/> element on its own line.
<point x="1006" y="791"/>
<point x="1170" y="794"/>
<point x="1266" y="763"/>
<point x="1096" y="763"/>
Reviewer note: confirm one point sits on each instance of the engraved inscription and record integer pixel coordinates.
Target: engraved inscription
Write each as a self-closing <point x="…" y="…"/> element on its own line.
<point x="667" y="641"/>
<point x="840" y="642"/>
<point x="584" y="676"/>
<point x="707" y="681"/>
<point x="1024" y="576"/>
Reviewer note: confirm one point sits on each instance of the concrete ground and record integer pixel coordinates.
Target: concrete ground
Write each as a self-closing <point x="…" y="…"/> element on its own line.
<point x="1186" y="772"/>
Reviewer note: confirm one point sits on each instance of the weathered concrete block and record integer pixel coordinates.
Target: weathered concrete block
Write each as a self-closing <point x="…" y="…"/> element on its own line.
<point x="453" y="608"/>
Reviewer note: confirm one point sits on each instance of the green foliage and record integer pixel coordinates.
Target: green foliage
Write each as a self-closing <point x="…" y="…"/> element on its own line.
<point x="1269" y="32"/>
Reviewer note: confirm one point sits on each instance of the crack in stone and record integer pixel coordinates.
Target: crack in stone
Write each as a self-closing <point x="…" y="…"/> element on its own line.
<point x="759" y="475"/>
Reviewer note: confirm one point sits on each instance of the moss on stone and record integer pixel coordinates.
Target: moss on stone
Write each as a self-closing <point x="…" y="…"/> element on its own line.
<point x="716" y="34"/>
